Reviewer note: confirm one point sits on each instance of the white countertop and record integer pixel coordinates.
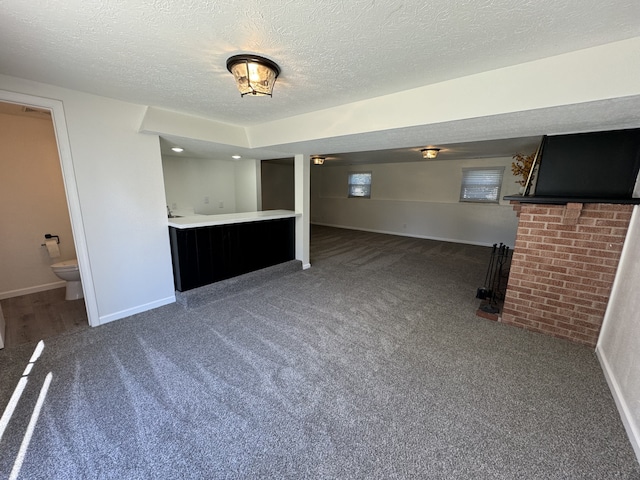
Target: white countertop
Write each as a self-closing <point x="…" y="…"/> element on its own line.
<point x="194" y="221"/>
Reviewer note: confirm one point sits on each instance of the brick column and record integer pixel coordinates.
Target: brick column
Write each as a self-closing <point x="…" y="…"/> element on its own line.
<point x="564" y="262"/>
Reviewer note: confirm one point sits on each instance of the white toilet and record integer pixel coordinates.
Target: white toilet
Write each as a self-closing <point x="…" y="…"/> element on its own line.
<point x="69" y="271"/>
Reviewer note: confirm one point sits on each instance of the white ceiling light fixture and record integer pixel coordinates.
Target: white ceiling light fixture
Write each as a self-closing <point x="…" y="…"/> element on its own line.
<point x="177" y="149"/>
<point x="236" y="157"/>
<point x="317" y="160"/>
<point x="430" y="152"/>
<point x="254" y="75"/>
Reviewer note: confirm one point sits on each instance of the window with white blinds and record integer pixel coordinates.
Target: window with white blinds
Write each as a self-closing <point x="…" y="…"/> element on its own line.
<point x="481" y="184"/>
<point x="360" y="185"/>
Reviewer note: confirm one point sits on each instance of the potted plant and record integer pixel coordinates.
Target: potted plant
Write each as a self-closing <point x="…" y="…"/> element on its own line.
<point x="521" y="166"/>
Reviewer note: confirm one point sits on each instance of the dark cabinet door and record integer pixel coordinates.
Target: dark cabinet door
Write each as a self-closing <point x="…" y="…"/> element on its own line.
<point x="280" y="241"/>
<point x="212" y="265"/>
<point x="184" y="255"/>
<point x="248" y="246"/>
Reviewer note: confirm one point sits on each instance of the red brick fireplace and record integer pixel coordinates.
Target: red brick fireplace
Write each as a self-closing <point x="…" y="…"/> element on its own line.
<point x="563" y="266"/>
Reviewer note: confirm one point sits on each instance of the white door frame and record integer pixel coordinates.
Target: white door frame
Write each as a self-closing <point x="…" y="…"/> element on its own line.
<point x="71" y="190"/>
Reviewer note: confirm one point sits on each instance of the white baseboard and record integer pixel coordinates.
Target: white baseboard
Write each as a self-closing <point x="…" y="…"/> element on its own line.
<point x="139" y="309"/>
<point x="404" y="234"/>
<point x="26" y="291"/>
<point x="623" y="408"/>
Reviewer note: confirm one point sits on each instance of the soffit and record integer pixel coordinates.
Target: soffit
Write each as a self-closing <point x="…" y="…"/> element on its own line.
<point x="454" y="151"/>
<point x="492" y="136"/>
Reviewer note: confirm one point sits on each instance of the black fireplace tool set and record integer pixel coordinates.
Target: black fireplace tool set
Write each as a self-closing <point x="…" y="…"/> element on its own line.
<point x="495" y="282"/>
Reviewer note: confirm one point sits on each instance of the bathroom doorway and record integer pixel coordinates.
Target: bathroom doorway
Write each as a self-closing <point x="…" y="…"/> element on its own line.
<point x="32" y="297"/>
<point x="74" y="237"/>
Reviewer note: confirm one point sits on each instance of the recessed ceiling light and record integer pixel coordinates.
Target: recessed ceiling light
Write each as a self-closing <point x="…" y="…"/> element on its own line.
<point x="177" y="149"/>
<point x="236" y="157"/>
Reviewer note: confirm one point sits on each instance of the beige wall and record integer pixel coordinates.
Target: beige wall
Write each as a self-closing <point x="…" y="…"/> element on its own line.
<point x="419" y="199"/>
<point x="33" y="203"/>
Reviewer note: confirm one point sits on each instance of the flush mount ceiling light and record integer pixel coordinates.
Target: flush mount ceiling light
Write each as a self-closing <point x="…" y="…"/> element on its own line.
<point x="430" y="152"/>
<point x="254" y="75"/>
<point x="317" y="160"/>
<point x="177" y="149"/>
<point x="236" y="157"/>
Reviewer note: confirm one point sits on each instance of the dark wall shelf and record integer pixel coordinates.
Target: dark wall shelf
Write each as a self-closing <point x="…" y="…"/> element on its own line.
<point x="205" y="255"/>
<point x="549" y="200"/>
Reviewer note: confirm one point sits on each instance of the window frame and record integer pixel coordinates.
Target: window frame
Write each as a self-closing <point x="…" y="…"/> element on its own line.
<point x="464" y="185"/>
<point x="351" y="185"/>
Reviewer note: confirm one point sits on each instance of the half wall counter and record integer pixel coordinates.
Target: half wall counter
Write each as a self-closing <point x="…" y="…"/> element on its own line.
<point x="209" y="248"/>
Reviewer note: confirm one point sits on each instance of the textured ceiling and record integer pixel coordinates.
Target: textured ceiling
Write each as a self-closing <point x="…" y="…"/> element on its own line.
<point x="172" y="53"/>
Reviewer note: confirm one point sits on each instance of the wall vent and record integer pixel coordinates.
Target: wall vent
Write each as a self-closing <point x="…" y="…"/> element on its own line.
<point x="37" y="111"/>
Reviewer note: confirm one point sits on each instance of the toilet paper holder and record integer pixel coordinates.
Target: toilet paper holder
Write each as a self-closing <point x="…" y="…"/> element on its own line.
<point x="48" y="236"/>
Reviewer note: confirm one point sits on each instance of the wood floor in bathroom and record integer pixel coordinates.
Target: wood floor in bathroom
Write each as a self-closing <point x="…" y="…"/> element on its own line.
<point x="30" y="318"/>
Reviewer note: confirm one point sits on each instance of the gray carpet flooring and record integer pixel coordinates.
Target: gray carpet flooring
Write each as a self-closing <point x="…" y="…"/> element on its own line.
<point x="372" y="364"/>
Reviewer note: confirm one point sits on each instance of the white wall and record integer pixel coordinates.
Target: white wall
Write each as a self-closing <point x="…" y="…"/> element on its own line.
<point x="247" y="178"/>
<point x="118" y="175"/>
<point x="231" y="186"/>
<point x="302" y="204"/>
<point x="189" y="181"/>
<point x="417" y="199"/>
<point x="619" y="343"/>
<point x="34" y="203"/>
